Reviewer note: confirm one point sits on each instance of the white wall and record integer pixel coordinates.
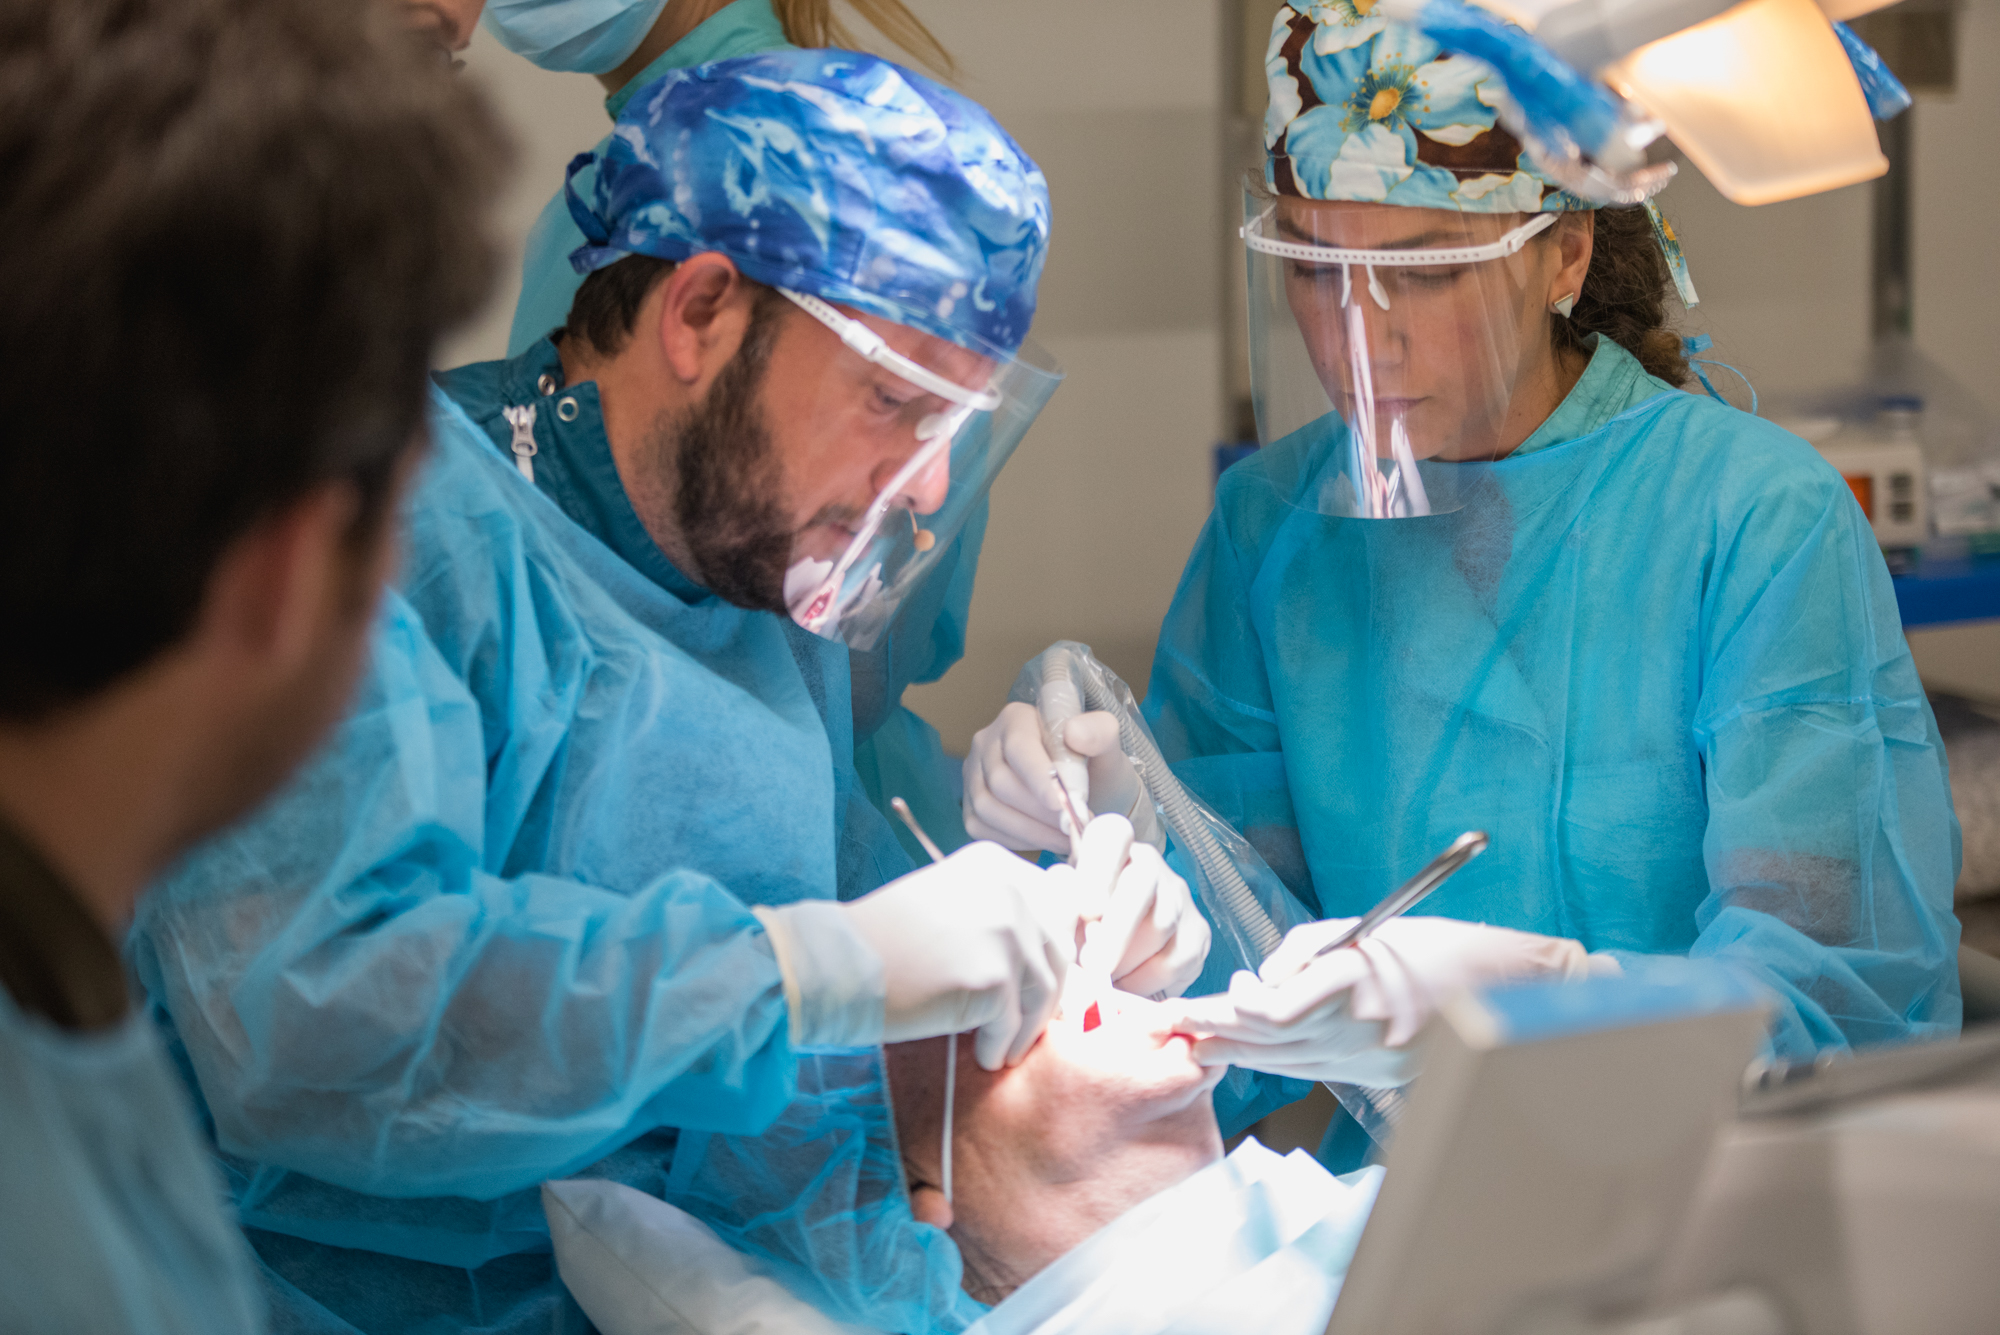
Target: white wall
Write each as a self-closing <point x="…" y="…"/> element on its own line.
<point x="553" y="117"/>
<point x="1123" y="105"/>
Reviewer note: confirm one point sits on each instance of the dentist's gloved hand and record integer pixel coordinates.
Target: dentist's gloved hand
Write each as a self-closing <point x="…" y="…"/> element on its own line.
<point x="1142" y="927"/>
<point x="1010" y="798"/>
<point x="1350" y="1015"/>
<point x="979" y="941"/>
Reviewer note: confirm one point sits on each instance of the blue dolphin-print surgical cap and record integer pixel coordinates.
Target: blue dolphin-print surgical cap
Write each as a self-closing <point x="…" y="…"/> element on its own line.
<point x="834" y="173"/>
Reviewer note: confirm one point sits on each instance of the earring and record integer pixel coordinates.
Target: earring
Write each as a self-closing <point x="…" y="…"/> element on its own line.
<point x="1564" y="305"/>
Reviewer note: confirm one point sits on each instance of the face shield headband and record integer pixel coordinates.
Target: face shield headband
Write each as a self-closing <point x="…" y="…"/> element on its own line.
<point x="855" y="597"/>
<point x="1382" y="370"/>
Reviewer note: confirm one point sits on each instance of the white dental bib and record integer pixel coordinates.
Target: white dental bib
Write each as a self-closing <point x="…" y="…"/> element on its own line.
<point x="1260" y="1241"/>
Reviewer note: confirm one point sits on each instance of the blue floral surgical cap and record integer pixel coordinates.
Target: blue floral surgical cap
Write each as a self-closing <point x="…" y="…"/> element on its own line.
<point x="834" y="173"/>
<point x="1365" y="109"/>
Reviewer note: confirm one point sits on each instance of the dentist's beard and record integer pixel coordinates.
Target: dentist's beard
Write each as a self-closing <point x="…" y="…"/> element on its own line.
<point x="729" y="493"/>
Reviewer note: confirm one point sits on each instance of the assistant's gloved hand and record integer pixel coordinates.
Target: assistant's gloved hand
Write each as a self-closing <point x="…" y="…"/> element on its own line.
<point x="1010" y="797"/>
<point x="1348" y="1016"/>
<point x="979" y="941"/>
<point x="1142" y="927"/>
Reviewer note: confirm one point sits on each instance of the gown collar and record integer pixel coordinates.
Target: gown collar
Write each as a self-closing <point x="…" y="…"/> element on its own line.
<point x="1612" y="382"/>
<point x="55" y="960"/>
<point x="744" y="28"/>
<point x="574" y="466"/>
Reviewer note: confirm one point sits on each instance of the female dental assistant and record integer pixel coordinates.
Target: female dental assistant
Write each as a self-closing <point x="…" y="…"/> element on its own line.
<point x="1493" y="570"/>
<point x="628" y="44"/>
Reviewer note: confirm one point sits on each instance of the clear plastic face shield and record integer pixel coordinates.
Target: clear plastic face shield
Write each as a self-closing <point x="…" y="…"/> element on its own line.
<point x="974" y="414"/>
<point x="1389" y="344"/>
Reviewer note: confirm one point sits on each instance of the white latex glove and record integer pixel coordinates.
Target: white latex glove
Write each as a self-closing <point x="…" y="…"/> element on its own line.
<point x="980" y="941"/>
<point x="1142" y="927"/>
<point x="1348" y="1016"/>
<point x="1010" y="797"/>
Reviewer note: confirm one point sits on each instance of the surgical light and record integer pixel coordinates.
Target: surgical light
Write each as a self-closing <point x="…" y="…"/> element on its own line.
<point x="1762" y="100"/>
<point x="1763" y="96"/>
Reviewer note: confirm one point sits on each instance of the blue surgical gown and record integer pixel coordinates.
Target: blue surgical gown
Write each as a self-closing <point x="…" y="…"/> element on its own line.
<point x="498" y="930"/>
<point x="896" y="752"/>
<point x="112" y="1219"/>
<point x="1657" y="657"/>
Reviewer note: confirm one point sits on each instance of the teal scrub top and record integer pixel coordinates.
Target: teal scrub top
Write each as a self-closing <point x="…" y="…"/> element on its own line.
<point x="115" y="1219"/>
<point x="1657" y="657"/>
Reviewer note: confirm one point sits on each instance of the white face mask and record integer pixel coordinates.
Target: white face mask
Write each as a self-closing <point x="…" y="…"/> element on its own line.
<point x="581" y="36"/>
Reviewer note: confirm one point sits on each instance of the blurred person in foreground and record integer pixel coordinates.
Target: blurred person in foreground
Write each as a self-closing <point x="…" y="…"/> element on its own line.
<point x="232" y="233"/>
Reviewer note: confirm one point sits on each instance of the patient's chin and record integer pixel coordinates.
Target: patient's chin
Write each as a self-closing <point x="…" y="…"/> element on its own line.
<point x="1095" y="1122"/>
<point x="1092" y="1123"/>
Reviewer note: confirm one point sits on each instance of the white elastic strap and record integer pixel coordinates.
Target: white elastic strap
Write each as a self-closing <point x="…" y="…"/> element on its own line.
<point x="876" y="349"/>
<point x="1375" y="289"/>
<point x="1254" y="237"/>
<point x="522" y="420"/>
<point x="950" y="1103"/>
<point x="1406" y="468"/>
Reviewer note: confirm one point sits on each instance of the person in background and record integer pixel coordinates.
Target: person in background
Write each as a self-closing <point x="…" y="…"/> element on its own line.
<point x="1493" y="570"/>
<point x="626" y="45"/>
<point x="196" y="501"/>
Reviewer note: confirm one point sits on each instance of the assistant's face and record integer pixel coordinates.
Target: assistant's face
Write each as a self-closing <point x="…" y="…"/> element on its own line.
<point x="1455" y="344"/>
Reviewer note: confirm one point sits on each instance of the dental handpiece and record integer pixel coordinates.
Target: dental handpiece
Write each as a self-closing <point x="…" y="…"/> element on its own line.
<point x="1411" y="892"/>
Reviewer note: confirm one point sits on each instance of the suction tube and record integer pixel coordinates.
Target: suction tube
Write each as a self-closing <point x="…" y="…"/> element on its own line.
<point x="1067" y="666"/>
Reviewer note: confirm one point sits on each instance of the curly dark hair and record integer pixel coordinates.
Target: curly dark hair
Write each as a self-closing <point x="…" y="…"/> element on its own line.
<point x="1624" y="297"/>
<point x="232" y="233"/>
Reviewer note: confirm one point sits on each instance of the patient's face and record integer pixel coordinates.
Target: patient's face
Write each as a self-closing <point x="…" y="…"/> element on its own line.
<point x="1046" y="1153"/>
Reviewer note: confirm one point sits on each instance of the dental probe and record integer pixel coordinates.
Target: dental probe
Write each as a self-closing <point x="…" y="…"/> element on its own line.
<point x="1079" y="815"/>
<point x="1411" y="892"/>
<point x="950" y="1104"/>
<point x="902" y="809"/>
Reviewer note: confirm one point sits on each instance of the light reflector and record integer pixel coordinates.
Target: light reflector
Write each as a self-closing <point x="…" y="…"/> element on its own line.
<point x="1762" y="99"/>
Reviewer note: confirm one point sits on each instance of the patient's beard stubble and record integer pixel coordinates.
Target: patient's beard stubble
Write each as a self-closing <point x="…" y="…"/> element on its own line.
<point x="729" y="486"/>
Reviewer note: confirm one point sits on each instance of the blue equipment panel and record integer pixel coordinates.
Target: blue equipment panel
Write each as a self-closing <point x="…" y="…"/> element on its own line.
<point x="1937" y="591"/>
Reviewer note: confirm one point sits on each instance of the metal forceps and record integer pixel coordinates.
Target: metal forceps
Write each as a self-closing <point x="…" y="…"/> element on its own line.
<point x="1411" y="892"/>
<point x="1377" y="1109"/>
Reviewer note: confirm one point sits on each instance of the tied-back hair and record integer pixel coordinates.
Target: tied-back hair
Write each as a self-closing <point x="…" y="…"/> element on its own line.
<point x="1624" y="297"/>
<point x="812" y="23"/>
